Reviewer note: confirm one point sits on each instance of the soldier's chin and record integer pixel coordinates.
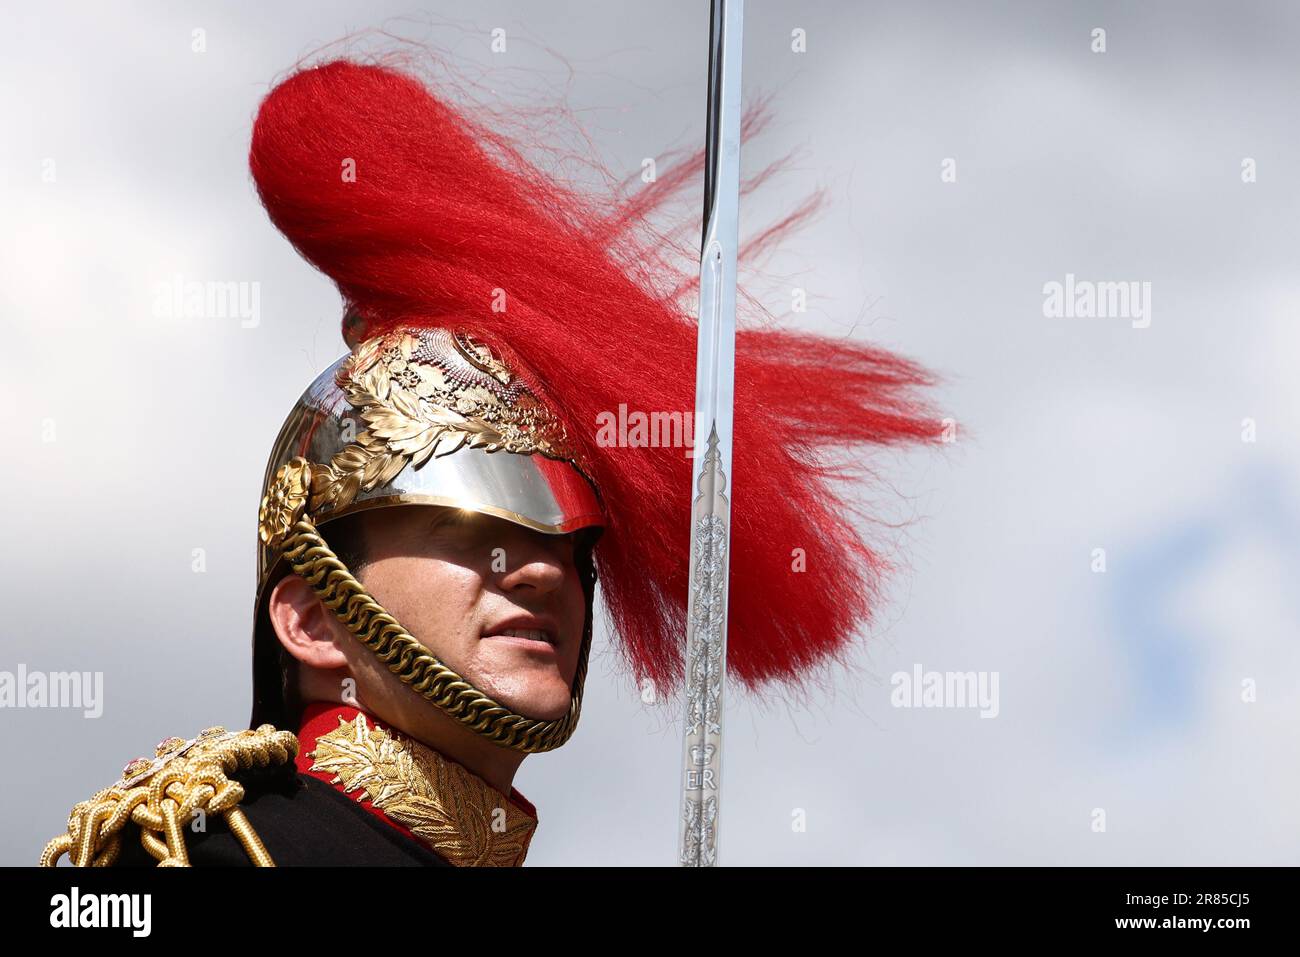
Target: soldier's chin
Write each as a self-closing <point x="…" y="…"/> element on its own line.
<point x="542" y="700"/>
<point x="525" y="678"/>
<point x="553" y="708"/>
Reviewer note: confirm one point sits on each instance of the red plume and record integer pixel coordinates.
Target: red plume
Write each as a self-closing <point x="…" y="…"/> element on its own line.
<point x="443" y="220"/>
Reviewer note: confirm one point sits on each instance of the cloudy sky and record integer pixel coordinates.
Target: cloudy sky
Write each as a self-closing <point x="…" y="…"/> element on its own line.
<point x="973" y="154"/>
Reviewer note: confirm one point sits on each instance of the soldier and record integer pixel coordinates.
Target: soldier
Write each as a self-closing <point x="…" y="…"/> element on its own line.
<point x="438" y="502"/>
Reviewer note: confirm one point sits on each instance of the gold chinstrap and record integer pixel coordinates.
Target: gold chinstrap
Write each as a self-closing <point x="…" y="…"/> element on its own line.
<point x="312" y="559"/>
<point x="163" y="801"/>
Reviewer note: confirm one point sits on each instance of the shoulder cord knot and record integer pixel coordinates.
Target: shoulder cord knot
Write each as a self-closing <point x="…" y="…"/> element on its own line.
<point x="188" y="778"/>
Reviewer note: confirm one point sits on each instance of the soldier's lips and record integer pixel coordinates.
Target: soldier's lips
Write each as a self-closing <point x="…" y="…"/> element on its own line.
<point x="535" y="645"/>
<point x="526" y="632"/>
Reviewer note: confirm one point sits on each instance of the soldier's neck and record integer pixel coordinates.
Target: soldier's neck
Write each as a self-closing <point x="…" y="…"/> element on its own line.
<point x="494" y="764"/>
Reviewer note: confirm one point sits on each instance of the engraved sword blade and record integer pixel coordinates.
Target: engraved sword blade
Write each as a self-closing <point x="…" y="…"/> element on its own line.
<point x="706" y="630"/>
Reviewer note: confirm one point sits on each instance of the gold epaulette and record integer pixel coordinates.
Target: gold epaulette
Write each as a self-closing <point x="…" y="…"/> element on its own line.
<point x="164" y="794"/>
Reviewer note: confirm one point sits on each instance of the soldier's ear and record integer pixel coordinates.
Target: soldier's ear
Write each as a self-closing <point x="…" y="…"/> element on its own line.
<point x="306" y="629"/>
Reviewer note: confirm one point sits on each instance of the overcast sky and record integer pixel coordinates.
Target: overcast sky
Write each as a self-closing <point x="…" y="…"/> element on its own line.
<point x="1161" y="692"/>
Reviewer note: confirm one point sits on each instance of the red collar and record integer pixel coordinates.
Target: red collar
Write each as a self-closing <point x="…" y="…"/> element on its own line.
<point x="320" y="718"/>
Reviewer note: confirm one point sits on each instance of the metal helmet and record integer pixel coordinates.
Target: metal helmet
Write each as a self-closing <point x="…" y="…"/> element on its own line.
<point x="418" y="416"/>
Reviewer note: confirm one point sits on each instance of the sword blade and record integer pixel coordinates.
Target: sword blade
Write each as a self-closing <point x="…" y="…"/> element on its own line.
<point x="706" y="630"/>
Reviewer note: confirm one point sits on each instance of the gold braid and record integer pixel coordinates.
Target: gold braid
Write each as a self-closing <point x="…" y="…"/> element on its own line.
<point x="312" y="559"/>
<point x="162" y="797"/>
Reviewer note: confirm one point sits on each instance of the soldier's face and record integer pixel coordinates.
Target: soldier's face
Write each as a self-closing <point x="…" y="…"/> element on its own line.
<point x="499" y="603"/>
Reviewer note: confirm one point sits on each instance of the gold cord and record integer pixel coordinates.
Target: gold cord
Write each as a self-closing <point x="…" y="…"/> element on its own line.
<point x="162" y="796"/>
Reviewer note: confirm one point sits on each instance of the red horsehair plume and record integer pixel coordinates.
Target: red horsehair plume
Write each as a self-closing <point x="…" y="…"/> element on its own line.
<point x="443" y="215"/>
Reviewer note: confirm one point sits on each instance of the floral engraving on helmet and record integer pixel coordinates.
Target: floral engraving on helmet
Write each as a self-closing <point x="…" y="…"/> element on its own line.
<point x="428" y="393"/>
<point x="285" y="501"/>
